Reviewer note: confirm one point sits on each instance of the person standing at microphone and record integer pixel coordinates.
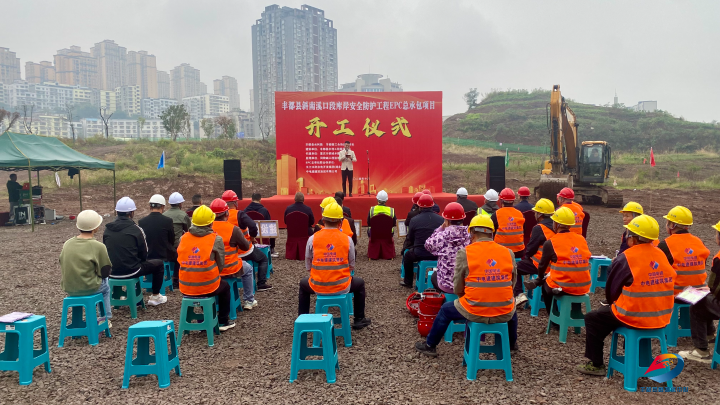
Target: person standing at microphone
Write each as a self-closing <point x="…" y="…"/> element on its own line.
<point x="346" y="158"/>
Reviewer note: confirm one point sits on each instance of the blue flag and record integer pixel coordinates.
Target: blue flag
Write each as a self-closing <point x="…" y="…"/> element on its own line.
<point x="161" y="164"/>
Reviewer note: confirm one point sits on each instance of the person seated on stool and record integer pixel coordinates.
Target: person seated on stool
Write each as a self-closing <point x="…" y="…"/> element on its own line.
<point x="509" y="224"/>
<point x="181" y="224"/>
<point x="524" y="205"/>
<point x="196" y="202"/>
<point x="84" y="262"/>
<point x="639" y="289"/>
<point x="484" y="278"/>
<point x="341" y="196"/>
<point x="330" y="258"/>
<point x="421" y="228"/>
<point x="413" y="211"/>
<point x="568" y="256"/>
<point x="256" y="206"/>
<point x="234" y="241"/>
<point x="541" y="233"/>
<point x="348" y="216"/>
<point x="159" y="231"/>
<point x="381" y="208"/>
<point x="566" y="198"/>
<point x="299" y="206"/>
<point x="630" y="211"/>
<point x="462" y="199"/>
<point x="345" y="227"/>
<point x="202" y="258"/>
<point x="445" y="242"/>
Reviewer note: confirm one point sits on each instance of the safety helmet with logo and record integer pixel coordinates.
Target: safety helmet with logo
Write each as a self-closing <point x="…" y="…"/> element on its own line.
<point x="680" y="215"/>
<point x="218" y="206"/>
<point x="491" y="195"/>
<point x="566" y="192"/>
<point x="633" y="207"/>
<point x="125" y="204"/>
<point x="453" y="212"/>
<point x="544" y="206"/>
<point x="203" y="216"/>
<point x="416" y="197"/>
<point x="462" y="191"/>
<point x="507" y="194"/>
<point x="644" y="226"/>
<point x="176" y="198"/>
<point x="325" y="202"/>
<point x="426" y="201"/>
<point x="426" y="191"/>
<point x="524" y="192"/>
<point x="716" y="227"/>
<point x="564" y="216"/>
<point x="481" y="221"/>
<point x="333" y="211"/>
<point x="229" y="196"/>
<point x="382" y="196"/>
<point x="157" y="199"/>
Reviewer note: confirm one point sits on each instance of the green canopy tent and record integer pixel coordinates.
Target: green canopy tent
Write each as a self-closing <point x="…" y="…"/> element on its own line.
<point x="20" y="152"/>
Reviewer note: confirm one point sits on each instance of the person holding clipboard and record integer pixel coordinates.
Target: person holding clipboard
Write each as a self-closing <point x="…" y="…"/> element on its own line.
<point x="346" y="158"/>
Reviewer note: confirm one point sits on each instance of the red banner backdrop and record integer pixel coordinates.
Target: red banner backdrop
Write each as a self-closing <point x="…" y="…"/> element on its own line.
<point x="400" y="132"/>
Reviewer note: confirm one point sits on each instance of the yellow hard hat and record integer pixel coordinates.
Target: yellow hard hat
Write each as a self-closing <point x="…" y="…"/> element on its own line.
<point x="544" y="206"/>
<point x="717" y="227"/>
<point x="680" y="215"/>
<point x="203" y="216"/>
<point x="481" y="221"/>
<point x="333" y="210"/>
<point x="564" y="216"/>
<point x="632" y="206"/>
<point x="645" y="226"/>
<point x="327" y="201"/>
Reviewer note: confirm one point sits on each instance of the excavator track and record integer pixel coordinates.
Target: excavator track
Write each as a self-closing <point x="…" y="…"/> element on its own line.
<point x="614" y="198"/>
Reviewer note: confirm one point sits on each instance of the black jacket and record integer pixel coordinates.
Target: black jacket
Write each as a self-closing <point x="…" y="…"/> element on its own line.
<point x="245" y="222"/>
<point x="125" y="242"/>
<point x="537" y="238"/>
<point x="523" y="206"/>
<point x="300" y="207"/>
<point x="346" y="212"/>
<point x="422" y="227"/>
<point x="259" y="208"/>
<point x="468" y="205"/>
<point x="160" y="236"/>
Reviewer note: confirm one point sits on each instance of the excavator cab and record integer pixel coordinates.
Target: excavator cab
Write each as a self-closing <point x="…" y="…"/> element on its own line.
<point x="594" y="162"/>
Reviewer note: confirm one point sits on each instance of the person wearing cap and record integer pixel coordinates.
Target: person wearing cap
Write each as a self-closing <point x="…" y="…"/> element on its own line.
<point x="566" y="198"/>
<point x="421" y="228"/>
<point x="639" y="289"/>
<point x="568" y="256"/>
<point x="299" y="206"/>
<point x="181" y="224"/>
<point x="330" y="259"/>
<point x="445" y="242"/>
<point x="414" y="210"/>
<point x="127" y="247"/>
<point x="540" y="233"/>
<point x="685" y="252"/>
<point x="524" y="205"/>
<point x="346" y="158"/>
<point x="462" y="199"/>
<point x="256" y="206"/>
<point x="381" y="208"/>
<point x="704" y="312"/>
<point x="509" y="223"/>
<point x="629" y="211"/>
<point x="484" y="275"/>
<point x="201" y="254"/>
<point x="84" y="262"/>
<point x="348" y="218"/>
<point x="490" y="206"/>
<point x="196" y="202"/>
<point x="340" y="197"/>
<point x="159" y="231"/>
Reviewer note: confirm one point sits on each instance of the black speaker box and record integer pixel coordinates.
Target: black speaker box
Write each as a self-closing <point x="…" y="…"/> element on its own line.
<point x="495" y="176"/>
<point x="232" y="169"/>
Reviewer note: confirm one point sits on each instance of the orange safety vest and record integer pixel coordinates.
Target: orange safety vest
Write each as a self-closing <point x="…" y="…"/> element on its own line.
<point x="330" y="270"/>
<point x="571" y="272"/>
<point x="577" y="209"/>
<point x="488" y="285"/>
<point x="549" y="233"/>
<point x="345" y="227"/>
<point x="198" y="274"/>
<point x="648" y="302"/>
<point x="232" y="216"/>
<point x="510" y="228"/>
<point x="689" y="257"/>
<point x="233" y="263"/>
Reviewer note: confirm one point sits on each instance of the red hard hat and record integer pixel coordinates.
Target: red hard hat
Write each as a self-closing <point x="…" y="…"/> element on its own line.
<point x="218" y="206"/>
<point x="425" y="201"/>
<point x="453" y="212"/>
<point x="426" y="191"/>
<point x="566" y="193"/>
<point x="229" y="196"/>
<point x="416" y="197"/>
<point x="507" y="194"/>
<point x="524" y="192"/>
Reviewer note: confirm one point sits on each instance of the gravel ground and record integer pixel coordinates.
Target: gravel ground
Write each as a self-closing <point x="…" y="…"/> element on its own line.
<point x="251" y="363"/>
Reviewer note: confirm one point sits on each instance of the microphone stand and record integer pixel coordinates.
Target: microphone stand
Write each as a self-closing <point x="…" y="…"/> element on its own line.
<point x="367" y="152"/>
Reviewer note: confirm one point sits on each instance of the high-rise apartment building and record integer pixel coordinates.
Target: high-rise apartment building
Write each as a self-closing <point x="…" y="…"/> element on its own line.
<point x="9" y="66"/>
<point x="112" y="64"/>
<point x="293" y="50"/>
<point x="128" y="99"/>
<point x="185" y="82"/>
<point x="39" y="72"/>
<point x="371" y="82"/>
<point x="76" y="68"/>
<point x="163" y="83"/>
<point x="152" y="108"/>
<point x="142" y="71"/>
<point x="107" y="99"/>
<point x="227" y="86"/>
<point x="207" y="105"/>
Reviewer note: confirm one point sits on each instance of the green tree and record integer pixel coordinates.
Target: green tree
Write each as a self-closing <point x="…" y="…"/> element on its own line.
<point x="208" y="127"/>
<point x="141" y="124"/>
<point x="175" y="119"/>
<point x="471" y="98"/>
<point x="227" y="126"/>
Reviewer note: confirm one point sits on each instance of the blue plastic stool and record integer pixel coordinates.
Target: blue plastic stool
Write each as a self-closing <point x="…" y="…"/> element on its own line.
<point x="146" y="281"/>
<point x="534" y="301"/>
<point x="402" y="267"/>
<point x="566" y="314"/>
<point x="130" y="296"/>
<point x="322" y="306"/>
<point x="473" y="348"/>
<point x="266" y="250"/>
<point x="89" y="327"/>
<point x="236" y="291"/>
<point x="679" y="325"/>
<point x="19" y="353"/>
<point x="320" y="325"/>
<point x="423" y="280"/>
<point x="598" y="272"/>
<point x="207" y="320"/>
<point x="455" y="326"/>
<point x="145" y="363"/>
<point x="716" y="355"/>
<point x="638" y="354"/>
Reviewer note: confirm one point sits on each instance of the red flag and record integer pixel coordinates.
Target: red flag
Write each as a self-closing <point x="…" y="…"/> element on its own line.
<point x="652" y="158"/>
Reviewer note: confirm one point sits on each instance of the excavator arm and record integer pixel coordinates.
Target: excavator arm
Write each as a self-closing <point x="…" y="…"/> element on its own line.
<point x="562" y="126"/>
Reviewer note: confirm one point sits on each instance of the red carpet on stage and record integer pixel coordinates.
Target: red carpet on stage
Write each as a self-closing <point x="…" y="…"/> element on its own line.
<point x="359" y="205"/>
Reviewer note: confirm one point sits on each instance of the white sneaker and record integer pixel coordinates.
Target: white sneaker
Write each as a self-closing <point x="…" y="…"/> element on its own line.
<point x="702" y="356"/>
<point x="520" y="299"/>
<point x="275" y="254"/>
<point x="250" y="305"/>
<point x="109" y="324"/>
<point x="156" y="300"/>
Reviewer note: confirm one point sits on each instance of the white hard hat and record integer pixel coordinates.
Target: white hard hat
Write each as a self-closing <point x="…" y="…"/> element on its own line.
<point x="125" y="204"/>
<point x="462" y="191"/>
<point x="382" y="196"/>
<point x="157" y="199"/>
<point x="491" y="195"/>
<point x="88" y="220"/>
<point x="176" y="198"/>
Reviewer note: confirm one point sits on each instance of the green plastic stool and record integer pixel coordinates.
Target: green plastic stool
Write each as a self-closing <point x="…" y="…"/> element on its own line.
<point x="679" y="325"/>
<point x="322" y="306"/>
<point x="236" y="290"/>
<point x="19" y="353"/>
<point x="145" y="363"/>
<point x="206" y="322"/>
<point x="716" y="355"/>
<point x="322" y="326"/>
<point x="423" y="280"/>
<point x="126" y="292"/>
<point x="473" y="348"/>
<point x="90" y="326"/>
<point x="566" y="312"/>
<point x="637" y="355"/>
<point x="146" y="281"/>
<point x="455" y="326"/>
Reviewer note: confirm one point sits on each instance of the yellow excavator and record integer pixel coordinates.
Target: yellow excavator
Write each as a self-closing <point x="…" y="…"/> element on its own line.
<point x="583" y="167"/>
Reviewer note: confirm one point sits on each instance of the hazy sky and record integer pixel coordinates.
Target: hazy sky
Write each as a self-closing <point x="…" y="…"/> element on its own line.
<point x="646" y="50"/>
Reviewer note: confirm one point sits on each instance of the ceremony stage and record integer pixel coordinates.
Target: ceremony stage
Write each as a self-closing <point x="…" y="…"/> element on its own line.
<point x="359" y="205"/>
